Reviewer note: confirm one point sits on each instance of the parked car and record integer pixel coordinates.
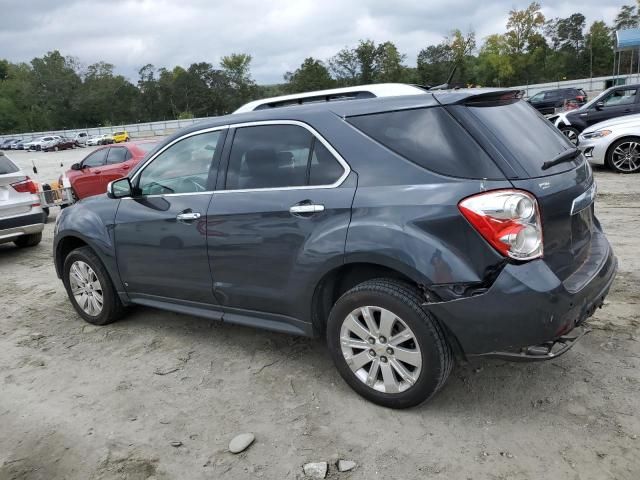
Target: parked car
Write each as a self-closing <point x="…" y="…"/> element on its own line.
<point x="42" y="143"/>
<point x="120" y="136"/>
<point x="15" y="144"/>
<point x="61" y="143"/>
<point x="6" y="143"/>
<point x="91" y="176"/>
<point x="94" y="140"/>
<point x="106" y="139"/>
<point x="613" y="102"/>
<point x="614" y="143"/>
<point x="21" y="217"/>
<point x="547" y="101"/>
<point x="406" y="230"/>
<point x="80" y="139"/>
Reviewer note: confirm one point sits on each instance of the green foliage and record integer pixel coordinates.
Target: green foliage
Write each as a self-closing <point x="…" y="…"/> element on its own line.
<point x="54" y="92"/>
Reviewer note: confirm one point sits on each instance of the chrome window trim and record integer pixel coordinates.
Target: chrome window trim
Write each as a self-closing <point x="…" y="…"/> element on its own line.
<point x="317" y="136"/>
<point x="309" y="128"/>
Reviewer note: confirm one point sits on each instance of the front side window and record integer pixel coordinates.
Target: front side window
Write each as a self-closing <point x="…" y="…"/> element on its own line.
<point x="620" y="97"/>
<point x="183" y="168"/>
<point x="279" y="156"/>
<point x="96" y="159"/>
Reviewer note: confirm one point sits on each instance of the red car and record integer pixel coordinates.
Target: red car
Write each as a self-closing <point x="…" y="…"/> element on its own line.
<point x="92" y="175"/>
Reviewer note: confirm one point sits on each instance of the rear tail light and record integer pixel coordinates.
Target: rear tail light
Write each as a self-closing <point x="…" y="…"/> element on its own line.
<point x="25" y="186"/>
<point x="508" y="219"/>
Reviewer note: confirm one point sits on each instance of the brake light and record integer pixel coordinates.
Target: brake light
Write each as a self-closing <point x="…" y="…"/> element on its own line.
<point x="508" y="219"/>
<point x="25" y="186"/>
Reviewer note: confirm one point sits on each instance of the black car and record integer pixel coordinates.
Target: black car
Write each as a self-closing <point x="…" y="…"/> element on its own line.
<point x="547" y="101"/>
<point x="613" y="102"/>
<point x="408" y="231"/>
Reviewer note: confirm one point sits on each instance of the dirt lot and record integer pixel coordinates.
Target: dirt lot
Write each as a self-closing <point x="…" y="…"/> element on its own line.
<point x="85" y="402"/>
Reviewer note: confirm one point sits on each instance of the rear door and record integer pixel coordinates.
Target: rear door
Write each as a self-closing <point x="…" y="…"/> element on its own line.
<point x="278" y="216"/>
<point x="160" y="233"/>
<point x="88" y="182"/>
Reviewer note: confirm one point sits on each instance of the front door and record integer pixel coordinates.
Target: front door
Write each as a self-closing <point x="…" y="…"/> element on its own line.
<point x="280" y="217"/>
<point x="619" y="102"/>
<point x="160" y="233"/>
<point x="86" y="181"/>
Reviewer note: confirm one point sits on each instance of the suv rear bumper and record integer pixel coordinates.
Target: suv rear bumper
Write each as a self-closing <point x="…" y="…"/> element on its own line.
<point x="528" y="306"/>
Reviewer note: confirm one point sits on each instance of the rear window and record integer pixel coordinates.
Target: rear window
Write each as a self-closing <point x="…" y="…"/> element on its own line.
<point x="528" y="137"/>
<point x="431" y="138"/>
<point x="7" y="166"/>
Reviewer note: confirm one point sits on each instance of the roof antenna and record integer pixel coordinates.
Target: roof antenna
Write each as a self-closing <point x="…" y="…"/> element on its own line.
<point x="445" y="85"/>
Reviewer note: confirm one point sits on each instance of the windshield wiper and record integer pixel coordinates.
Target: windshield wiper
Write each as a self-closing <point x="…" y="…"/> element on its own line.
<point x="562" y="157"/>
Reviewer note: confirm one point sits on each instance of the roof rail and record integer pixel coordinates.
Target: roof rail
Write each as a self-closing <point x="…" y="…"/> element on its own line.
<point x="347" y="93"/>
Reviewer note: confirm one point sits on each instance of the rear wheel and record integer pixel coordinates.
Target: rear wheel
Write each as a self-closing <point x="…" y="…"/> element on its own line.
<point x="89" y="287"/>
<point x="571" y="134"/>
<point x="28" y="240"/>
<point x="623" y="155"/>
<point x="386" y="346"/>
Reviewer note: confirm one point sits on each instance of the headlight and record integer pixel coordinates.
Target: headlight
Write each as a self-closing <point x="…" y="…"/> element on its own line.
<point x="597" y="134"/>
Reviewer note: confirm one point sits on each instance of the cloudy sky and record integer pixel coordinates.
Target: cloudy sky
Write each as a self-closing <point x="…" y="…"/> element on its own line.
<point x="279" y="34"/>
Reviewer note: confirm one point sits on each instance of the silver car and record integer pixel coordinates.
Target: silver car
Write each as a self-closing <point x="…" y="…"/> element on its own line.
<point x="614" y="143"/>
<point x="21" y="216"/>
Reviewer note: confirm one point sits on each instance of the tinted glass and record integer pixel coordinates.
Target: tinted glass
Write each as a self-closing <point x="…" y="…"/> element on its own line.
<point x="146" y="146"/>
<point x="117" y="155"/>
<point x="620" y="97"/>
<point x="7" y="166"/>
<point x="527" y="136"/>
<point x="431" y="138"/>
<point x="182" y="168"/>
<point x="325" y="169"/>
<point x="269" y="156"/>
<point x="96" y="159"/>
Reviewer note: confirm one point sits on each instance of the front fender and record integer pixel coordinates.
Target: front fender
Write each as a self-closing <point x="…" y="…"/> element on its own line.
<point x="90" y="221"/>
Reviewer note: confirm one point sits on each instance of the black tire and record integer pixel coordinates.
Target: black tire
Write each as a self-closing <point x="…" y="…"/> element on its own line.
<point x="404" y="301"/>
<point x="112" y="308"/>
<point x="25" y="241"/>
<point x="610" y="161"/>
<point x="571" y="134"/>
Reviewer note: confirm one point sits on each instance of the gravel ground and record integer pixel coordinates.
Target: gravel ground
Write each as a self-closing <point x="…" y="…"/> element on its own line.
<point x="86" y="402"/>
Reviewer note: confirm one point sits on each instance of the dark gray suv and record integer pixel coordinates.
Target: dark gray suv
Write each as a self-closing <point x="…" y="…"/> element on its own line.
<point x="409" y="231"/>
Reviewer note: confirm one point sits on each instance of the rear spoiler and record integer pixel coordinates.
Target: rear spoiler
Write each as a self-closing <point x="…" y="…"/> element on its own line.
<point x="500" y="97"/>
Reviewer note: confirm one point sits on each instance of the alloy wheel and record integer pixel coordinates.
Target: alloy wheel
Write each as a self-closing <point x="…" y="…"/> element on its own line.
<point x="380" y="349"/>
<point x="571" y="135"/>
<point x="626" y="157"/>
<point x="86" y="288"/>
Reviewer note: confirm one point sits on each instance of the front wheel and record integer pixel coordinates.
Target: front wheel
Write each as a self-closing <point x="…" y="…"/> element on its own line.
<point x="623" y="155"/>
<point x="89" y="287"/>
<point x="386" y="346"/>
<point x="571" y="134"/>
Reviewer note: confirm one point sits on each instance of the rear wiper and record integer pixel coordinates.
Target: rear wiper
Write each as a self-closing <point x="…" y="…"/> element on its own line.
<point x="562" y="157"/>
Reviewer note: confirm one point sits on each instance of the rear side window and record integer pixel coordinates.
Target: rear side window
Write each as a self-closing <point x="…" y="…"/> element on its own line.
<point x="7" y="166"/>
<point x="529" y="138"/>
<point x="279" y="156"/>
<point x="117" y="155"/>
<point x="431" y="138"/>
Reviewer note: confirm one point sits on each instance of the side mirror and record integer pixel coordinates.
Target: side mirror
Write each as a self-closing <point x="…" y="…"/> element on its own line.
<point x="120" y="188"/>
<point x="76" y="166"/>
<point x="599" y="105"/>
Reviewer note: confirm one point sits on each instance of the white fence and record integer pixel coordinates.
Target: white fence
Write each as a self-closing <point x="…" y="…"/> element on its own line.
<point x="595" y="84"/>
<point x="135" y="130"/>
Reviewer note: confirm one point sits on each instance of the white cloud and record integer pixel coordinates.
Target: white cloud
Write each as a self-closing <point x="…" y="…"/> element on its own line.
<point x="278" y="33"/>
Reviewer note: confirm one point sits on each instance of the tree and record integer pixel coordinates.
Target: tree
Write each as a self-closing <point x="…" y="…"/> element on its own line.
<point x="522" y="24"/>
<point x="600" y="47"/>
<point x="388" y="65"/>
<point x="236" y="67"/>
<point x="627" y="17"/>
<point x="494" y="64"/>
<point x="311" y="75"/>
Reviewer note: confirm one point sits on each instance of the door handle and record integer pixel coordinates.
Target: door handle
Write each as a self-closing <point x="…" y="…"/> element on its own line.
<point x="187" y="216"/>
<point x="96" y="172"/>
<point x="125" y="167"/>
<point x="306" y="208"/>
